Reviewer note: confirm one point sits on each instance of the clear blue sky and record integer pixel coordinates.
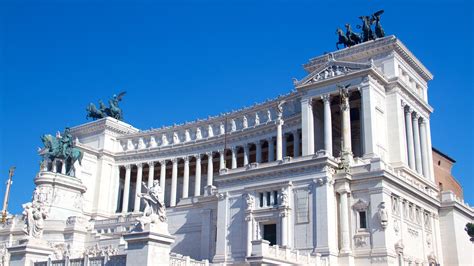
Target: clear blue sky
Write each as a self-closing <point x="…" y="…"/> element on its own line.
<point x="179" y="61"/>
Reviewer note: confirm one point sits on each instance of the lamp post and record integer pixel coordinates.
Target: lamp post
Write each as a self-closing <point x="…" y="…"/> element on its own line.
<point x="7" y="194"/>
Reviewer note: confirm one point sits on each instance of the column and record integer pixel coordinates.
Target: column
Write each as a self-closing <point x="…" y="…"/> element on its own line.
<point x="284" y="227"/>
<point x="285" y="145"/>
<point x="138" y="187"/>
<point x="210" y="169"/>
<point x="258" y="151"/>
<point x="271" y="150"/>
<point x="221" y="159"/>
<point x="424" y="149"/>
<point x="249" y="220"/>
<point x="234" y="157"/>
<point x="246" y="154"/>
<point x="174" y="182"/>
<point x="279" y="140"/>
<point x="186" y="178"/>
<point x="327" y="124"/>
<point x="416" y="140"/>
<point x="307" y="128"/>
<point x="409" y="132"/>
<point x="126" y="189"/>
<point x="163" y="178"/>
<point x="344" y="216"/>
<point x="346" y="124"/>
<point x="296" y="143"/>
<point x="197" y="183"/>
<point x="151" y="173"/>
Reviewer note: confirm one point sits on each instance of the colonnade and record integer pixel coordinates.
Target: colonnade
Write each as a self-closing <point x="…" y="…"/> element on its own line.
<point x="260" y="151"/>
<point x="417" y="141"/>
<point x="308" y="127"/>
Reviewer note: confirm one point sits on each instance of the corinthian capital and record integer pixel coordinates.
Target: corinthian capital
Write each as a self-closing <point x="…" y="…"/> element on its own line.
<point x="326" y="97"/>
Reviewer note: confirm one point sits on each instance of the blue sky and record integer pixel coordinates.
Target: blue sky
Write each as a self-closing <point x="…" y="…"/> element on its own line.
<point x="182" y="60"/>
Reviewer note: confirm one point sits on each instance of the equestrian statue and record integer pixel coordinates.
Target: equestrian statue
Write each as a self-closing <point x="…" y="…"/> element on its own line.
<point x="61" y="147"/>
<point x="103" y="111"/>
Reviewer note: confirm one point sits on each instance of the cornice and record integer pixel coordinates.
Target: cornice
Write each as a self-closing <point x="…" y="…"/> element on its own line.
<point x="302" y="165"/>
<point x="367" y="50"/>
<point x="202" y="123"/>
<point x="109" y="124"/>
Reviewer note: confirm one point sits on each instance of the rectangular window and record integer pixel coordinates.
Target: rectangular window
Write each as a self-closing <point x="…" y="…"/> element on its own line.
<point x="362" y="220"/>
<point x="261" y="199"/>
<point x="269" y="233"/>
<point x="269" y="198"/>
<point x="275" y="197"/>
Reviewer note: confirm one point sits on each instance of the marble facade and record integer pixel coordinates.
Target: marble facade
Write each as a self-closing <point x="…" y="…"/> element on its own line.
<point x="337" y="172"/>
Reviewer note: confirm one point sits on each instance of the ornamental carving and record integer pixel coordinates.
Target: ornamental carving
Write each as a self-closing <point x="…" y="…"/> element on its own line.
<point x="250" y="201"/>
<point x="98" y="251"/>
<point x="361" y="240"/>
<point x="360" y="205"/>
<point x="383" y="215"/>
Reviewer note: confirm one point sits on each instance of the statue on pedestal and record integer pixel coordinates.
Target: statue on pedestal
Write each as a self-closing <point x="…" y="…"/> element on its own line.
<point x="61" y="147"/>
<point x="155" y="211"/>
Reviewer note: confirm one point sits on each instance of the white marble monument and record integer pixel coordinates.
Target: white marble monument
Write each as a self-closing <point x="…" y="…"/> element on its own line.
<point x="336" y="172"/>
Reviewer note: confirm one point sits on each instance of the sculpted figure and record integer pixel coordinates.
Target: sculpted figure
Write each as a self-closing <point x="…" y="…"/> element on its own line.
<point x="233" y="125"/>
<point x="383" y="215"/>
<point x="175" y="138"/>
<point x="113" y="110"/>
<point x="250" y="201"/>
<point x="280" y="109"/>
<point x="269" y="115"/>
<point x="284" y="201"/>
<point x="164" y="140"/>
<point x="352" y="37"/>
<point x="379" y="32"/>
<point x="245" y="123"/>
<point x="155" y="210"/>
<point x="222" y="129"/>
<point x="61" y="147"/>
<point x="210" y="131"/>
<point x="257" y="119"/>
<point x="198" y="133"/>
<point x="34" y="215"/>
<point x="187" y="136"/>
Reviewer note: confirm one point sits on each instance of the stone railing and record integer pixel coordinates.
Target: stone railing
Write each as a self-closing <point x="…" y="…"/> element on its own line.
<point x="116" y="260"/>
<point x="263" y="253"/>
<point x="180" y="260"/>
<point x="118" y="224"/>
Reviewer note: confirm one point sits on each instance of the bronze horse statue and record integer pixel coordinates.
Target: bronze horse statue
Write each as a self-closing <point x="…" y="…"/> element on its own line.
<point x="353" y="37"/>
<point x="367" y="33"/>
<point x="53" y="150"/>
<point x="379" y="32"/>
<point x="342" y="39"/>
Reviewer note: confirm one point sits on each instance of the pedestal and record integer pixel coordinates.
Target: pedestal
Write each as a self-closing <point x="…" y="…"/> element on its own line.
<point x="150" y="247"/>
<point x="29" y="251"/>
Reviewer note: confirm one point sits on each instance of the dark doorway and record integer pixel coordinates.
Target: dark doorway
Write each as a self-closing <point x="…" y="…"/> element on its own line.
<point x="269" y="233"/>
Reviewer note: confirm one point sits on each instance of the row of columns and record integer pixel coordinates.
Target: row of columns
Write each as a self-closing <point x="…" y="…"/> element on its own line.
<point x="281" y="149"/>
<point x="417" y="141"/>
<point x="174" y="180"/>
<point x="308" y="124"/>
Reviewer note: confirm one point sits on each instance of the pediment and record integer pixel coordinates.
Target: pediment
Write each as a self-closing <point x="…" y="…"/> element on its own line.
<point x="331" y="69"/>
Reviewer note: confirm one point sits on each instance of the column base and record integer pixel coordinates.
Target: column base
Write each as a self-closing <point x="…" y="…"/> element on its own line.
<point x="29" y="251"/>
<point x="152" y="246"/>
<point x="346" y="258"/>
